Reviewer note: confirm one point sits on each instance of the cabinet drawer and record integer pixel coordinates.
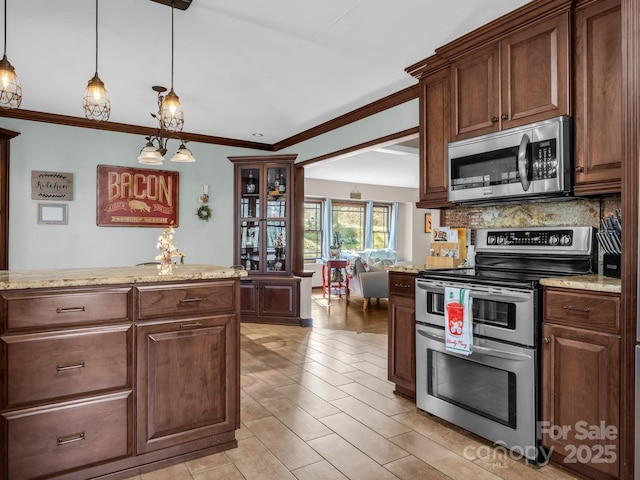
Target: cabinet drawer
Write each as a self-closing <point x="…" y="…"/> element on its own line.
<point x="402" y="284"/>
<point x="47" y="441"/>
<point x="45" y="366"/>
<point x="595" y="310"/>
<point x="31" y="310"/>
<point x="184" y="299"/>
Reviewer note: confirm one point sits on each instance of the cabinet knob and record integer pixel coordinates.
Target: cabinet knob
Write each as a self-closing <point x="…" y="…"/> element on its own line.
<point x="579" y="169"/>
<point x="545" y="340"/>
<point x="504" y="116"/>
<point x="494" y="119"/>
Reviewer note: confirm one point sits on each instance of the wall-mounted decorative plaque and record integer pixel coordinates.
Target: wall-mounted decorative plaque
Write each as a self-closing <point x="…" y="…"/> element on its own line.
<point x="51" y="185"/>
<point x="136" y="197"/>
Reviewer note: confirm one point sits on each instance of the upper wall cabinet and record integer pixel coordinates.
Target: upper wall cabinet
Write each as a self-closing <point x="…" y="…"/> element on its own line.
<point x="520" y="79"/>
<point x="598" y="100"/>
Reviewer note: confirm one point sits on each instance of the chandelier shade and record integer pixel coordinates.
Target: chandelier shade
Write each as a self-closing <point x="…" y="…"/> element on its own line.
<point x="10" y="88"/>
<point x="183" y="155"/>
<point x="150" y="155"/>
<point x="171" y="114"/>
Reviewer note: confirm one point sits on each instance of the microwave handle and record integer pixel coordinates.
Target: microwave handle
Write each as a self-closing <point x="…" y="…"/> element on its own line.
<point x="524" y="162"/>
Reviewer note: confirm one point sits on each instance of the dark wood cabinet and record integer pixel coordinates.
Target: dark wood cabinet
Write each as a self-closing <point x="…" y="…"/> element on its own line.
<point x="264" y="217"/>
<point x="274" y="300"/>
<point x="434" y="138"/>
<point x="581" y="380"/>
<point x="119" y="379"/>
<point x="598" y="97"/>
<point x="523" y="78"/>
<point x="402" y="333"/>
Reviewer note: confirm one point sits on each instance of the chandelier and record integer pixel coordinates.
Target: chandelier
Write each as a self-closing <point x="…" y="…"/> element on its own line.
<point x="96" y="103"/>
<point x="10" y="89"/>
<point x="155" y="149"/>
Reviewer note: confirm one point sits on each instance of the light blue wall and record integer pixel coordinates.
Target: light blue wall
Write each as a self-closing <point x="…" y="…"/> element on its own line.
<point x="81" y="243"/>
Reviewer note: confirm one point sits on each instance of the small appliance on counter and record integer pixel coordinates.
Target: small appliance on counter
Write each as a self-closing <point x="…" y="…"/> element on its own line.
<point x="610" y="241"/>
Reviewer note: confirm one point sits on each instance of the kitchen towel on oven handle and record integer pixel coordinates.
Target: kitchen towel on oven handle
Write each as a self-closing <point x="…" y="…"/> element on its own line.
<point x="458" y="320"/>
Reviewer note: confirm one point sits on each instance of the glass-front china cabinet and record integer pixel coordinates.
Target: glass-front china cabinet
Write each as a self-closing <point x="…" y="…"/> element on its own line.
<point x="263" y="225"/>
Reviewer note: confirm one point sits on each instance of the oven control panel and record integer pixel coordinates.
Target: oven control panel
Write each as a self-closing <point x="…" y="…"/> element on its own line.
<point x="537" y="238"/>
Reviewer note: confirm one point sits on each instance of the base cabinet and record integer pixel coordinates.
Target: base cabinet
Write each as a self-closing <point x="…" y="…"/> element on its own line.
<point x="581" y="381"/>
<point x="115" y="381"/>
<point x="273" y="300"/>
<point x="402" y="333"/>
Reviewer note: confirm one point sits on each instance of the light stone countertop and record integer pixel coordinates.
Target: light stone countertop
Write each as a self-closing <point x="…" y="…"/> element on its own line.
<point x="417" y="268"/>
<point x="76" y="277"/>
<point x="593" y="282"/>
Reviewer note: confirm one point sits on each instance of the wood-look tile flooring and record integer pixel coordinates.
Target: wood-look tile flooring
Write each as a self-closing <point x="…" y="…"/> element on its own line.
<point x="316" y="404"/>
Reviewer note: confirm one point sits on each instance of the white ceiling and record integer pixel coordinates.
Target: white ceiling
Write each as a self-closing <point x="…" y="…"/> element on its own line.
<point x="278" y="67"/>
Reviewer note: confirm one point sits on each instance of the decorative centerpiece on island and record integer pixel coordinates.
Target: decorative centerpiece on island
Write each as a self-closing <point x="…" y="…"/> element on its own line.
<point x="168" y="251"/>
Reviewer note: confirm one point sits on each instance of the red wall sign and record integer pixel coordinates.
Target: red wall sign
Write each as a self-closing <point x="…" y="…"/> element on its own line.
<point x="136" y="197"/>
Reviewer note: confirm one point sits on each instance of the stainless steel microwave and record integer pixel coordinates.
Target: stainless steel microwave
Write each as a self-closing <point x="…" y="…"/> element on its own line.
<point x="529" y="162"/>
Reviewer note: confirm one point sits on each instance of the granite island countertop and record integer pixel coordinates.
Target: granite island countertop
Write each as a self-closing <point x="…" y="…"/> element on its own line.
<point x="76" y="277"/>
<point x="593" y="282"/>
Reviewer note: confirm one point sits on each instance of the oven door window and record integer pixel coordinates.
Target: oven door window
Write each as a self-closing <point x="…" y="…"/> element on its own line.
<point x="482" y="389"/>
<point x="489" y="312"/>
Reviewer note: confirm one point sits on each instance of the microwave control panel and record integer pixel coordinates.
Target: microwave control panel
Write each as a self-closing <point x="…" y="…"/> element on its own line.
<point x="544" y="160"/>
<point x="536" y="238"/>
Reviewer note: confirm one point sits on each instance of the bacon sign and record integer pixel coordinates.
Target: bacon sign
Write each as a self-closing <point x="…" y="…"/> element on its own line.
<point x="136" y="197"/>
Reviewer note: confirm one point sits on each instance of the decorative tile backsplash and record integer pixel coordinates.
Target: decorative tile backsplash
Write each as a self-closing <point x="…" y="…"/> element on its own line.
<point x="584" y="211"/>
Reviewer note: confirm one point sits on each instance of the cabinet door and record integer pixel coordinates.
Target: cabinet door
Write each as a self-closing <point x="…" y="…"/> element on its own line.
<point x="186" y="381"/>
<point x="535" y="66"/>
<point x="580" y="389"/>
<point x="435" y="114"/>
<point x="402" y="345"/>
<point x="249" y="298"/>
<point x="475" y="91"/>
<point x="279" y="298"/>
<point x="598" y="109"/>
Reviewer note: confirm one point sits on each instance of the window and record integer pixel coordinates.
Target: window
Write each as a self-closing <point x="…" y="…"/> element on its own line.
<point x="312" y="229"/>
<point x="348" y="222"/>
<point x="381" y="226"/>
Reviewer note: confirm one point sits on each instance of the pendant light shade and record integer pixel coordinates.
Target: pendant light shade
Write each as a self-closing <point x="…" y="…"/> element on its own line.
<point x="171" y="114"/>
<point x="96" y="103"/>
<point x="183" y="155"/>
<point x="150" y="155"/>
<point x="10" y="89"/>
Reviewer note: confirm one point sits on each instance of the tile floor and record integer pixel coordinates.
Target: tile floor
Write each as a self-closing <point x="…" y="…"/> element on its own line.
<point x="316" y="404"/>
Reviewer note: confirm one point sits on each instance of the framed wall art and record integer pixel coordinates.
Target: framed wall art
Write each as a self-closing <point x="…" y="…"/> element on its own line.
<point x="136" y="197"/>
<point x="427" y="223"/>
<point x="52" y="214"/>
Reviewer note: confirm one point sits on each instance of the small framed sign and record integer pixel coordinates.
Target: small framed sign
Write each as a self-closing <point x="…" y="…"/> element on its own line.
<point x="51" y="185"/>
<point x="427" y="223"/>
<point x="52" y="214"/>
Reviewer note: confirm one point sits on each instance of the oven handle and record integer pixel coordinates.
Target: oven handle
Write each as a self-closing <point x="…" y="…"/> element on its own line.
<point x="487" y="294"/>
<point x="524" y="162"/>
<point x="492" y="352"/>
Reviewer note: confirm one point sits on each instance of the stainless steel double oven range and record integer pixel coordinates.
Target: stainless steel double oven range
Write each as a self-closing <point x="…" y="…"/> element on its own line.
<point x="494" y="391"/>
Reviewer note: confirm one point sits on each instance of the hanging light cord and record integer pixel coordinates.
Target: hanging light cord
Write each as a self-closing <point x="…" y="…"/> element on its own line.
<point x="5" y="28"/>
<point x="96" y="36"/>
<point x="172" y="5"/>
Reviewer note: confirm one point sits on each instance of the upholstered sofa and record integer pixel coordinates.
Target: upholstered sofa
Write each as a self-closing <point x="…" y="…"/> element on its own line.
<point x="369" y="278"/>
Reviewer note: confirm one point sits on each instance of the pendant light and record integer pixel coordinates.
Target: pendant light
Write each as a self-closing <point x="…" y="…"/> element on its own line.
<point x="10" y="89"/>
<point x="96" y="103"/>
<point x="171" y="114"/>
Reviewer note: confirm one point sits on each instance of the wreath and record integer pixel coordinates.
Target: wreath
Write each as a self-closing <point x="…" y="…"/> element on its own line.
<point x="204" y="213"/>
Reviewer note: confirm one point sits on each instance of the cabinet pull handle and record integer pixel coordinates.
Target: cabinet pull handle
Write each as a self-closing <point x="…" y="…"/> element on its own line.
<point x="494" y="119"/>
<point x="504" y="116"/>
<point x="574" y="309"/>
<point x="545" y="340"/>
<point x="579" y="169"/>
<point x="402" y="285"/>
<point x="70" y="310"/>
<point x="70" y="439"/>
<point x="190" y="300"/>
<point x="191" y="325"/>
<point x="61" y="368"/>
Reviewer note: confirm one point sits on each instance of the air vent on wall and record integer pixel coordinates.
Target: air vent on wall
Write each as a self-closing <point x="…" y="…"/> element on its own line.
<point x="179" y="4"/>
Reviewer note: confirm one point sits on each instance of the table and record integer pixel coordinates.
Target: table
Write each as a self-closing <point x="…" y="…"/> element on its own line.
<point x="340" y="286"/>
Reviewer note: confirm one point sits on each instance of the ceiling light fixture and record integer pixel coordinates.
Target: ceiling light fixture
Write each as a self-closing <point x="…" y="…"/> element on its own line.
<point x="156" y="147"/>
<point x="10" y="89"/>
<point x="96" y="103"/>
<point x="171" y="114"/>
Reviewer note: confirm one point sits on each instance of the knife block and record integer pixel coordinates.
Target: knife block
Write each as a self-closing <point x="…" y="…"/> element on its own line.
<point x="611" y="265"/>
